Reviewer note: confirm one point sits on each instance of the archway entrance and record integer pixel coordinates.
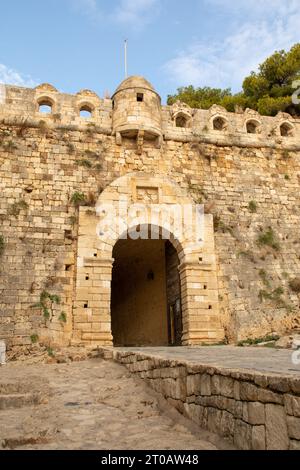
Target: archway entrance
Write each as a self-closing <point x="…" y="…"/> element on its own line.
<point x="146" y="294"/>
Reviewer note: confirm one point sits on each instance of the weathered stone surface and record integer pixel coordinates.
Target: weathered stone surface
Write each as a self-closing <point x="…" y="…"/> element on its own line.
<point x="256" y="413"/>
<point x="292" y="405"/>
<point x="227" y="425"/>
<point x="252" y="422"/>
<point x="214" y="420"/>
<point x="277" y="437"/>
<point x="205" y="386"/>
<point x="242" y="435"/>
<point x="293" y="427"/>
<point x="50" y="241"/>
<point x="222" y="386"/>
<point x="250" y="392"/>
<point x="258" y="438"/>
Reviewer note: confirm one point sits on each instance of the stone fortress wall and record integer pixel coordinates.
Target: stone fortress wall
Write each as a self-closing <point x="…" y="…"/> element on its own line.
<point x="244" y="167"/>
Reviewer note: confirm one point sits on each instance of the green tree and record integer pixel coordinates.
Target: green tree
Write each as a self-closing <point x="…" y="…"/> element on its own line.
<point x="269" y="90"/>
<point x="202" y="98"/>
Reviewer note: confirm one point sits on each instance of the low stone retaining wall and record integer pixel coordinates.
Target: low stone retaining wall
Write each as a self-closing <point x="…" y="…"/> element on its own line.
<point x="253" y="410"/>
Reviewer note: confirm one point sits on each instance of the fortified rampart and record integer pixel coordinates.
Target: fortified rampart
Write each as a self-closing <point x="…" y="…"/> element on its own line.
<point x="55" y="274"/>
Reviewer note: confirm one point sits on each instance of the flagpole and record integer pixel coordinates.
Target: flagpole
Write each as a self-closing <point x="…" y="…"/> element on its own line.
<point x="125" y="50"/>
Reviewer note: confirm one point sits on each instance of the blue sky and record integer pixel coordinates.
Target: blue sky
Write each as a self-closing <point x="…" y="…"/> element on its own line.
<point x="75" y="44"/>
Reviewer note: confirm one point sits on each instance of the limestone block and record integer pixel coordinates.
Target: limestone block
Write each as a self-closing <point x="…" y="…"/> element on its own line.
<point x="277" y="437"/>
<point x="227" y="424"/>
<point x="293" y="427"/>
<point x="250" y="392"/>
<point x="205" y="387"/>
<point x="258" y="438"/>
<point x="214" y="420"/>
<point x="242" y="435"/>
<point x="292" y="405"/>
<point x="255" y="413"/>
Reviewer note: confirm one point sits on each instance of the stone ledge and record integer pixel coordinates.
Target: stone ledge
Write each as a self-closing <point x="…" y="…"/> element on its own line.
<point x="253" y="410"/>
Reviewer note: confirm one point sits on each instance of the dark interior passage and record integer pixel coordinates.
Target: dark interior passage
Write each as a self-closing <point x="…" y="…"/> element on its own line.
<point x="145" y="303"/>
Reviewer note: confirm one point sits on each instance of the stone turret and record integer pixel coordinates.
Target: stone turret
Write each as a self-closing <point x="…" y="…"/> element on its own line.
<point x="137" y="111"/>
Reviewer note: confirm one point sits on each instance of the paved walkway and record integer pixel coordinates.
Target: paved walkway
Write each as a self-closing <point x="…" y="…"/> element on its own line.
<point x="277" y="361"/>
<point x="91" y="405"/>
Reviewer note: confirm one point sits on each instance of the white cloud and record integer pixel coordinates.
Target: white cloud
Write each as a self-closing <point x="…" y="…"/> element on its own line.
<point x="12" y="77"/>
<point x="130" y="13"/>
<point x="226" y="63"/>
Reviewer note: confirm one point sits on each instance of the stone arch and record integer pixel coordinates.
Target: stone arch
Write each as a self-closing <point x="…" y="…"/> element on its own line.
<point x="47" y="101"/>
<point x="99" y="233"/>
<point x="286" y="129"/>
<point x="219" y="123"/>
<point x="153" y="314"/>
<point x="253" y="126"/>
<point x="86" y="106"/>
<point x="182" y="120"/>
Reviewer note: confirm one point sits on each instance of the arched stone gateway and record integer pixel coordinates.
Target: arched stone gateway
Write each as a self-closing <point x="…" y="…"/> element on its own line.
<point x="146" y="231"/>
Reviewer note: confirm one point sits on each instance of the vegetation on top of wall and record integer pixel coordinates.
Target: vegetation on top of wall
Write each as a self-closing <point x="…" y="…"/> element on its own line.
<point x="268" y="238"/>
<point x="2" y="245"/>
<point x="17" y="207"/>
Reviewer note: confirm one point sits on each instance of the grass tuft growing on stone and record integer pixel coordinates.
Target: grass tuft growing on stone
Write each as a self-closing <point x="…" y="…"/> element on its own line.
<point x="34" y="338"/>
<point x="252" y="207"/>
<point x="255" y="341"/>
<point x="268" y="238"/>
<point x="78" y="199"/>
<point x="17" y="207"/>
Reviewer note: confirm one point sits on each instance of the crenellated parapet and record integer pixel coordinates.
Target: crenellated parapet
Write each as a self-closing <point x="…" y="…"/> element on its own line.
<point x="135" y="112"/>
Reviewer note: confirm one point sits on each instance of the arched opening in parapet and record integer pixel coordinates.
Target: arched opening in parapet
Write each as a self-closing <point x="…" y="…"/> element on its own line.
<point x="146" y="292"/>
<point x="86" y="111"/>
<point x="219" y="124"/>
<point x="286" y="130"/>
<point x="45" y="106"/>
<point x="181" y="121"/>
<point x="252" y="126"/>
